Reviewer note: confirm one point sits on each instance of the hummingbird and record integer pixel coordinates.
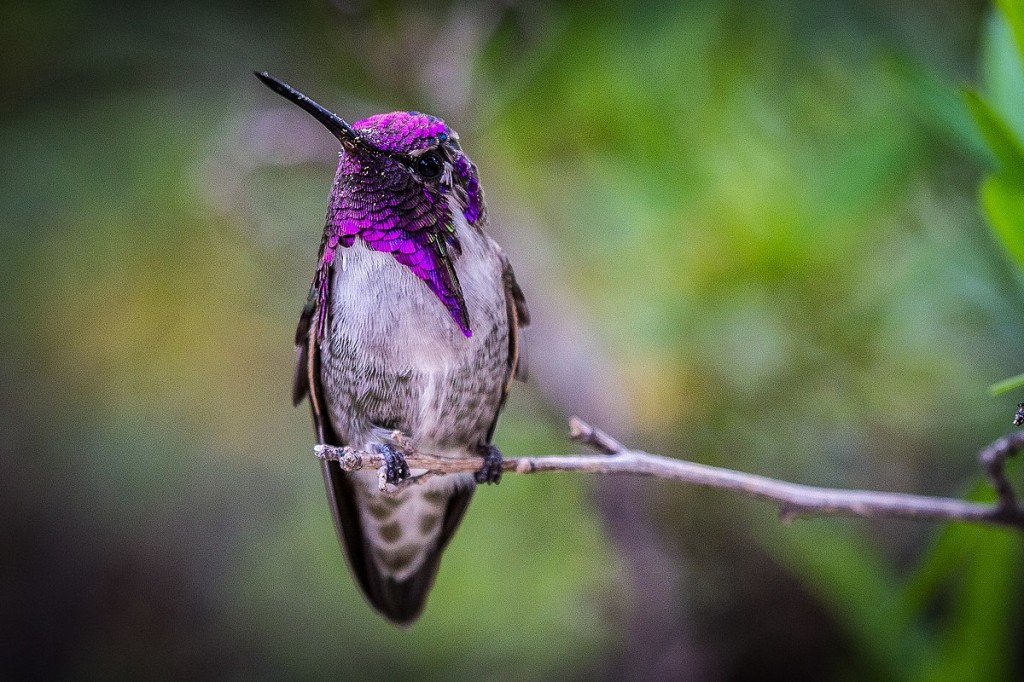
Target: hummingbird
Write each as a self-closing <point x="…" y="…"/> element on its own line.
<point x="412" y="324"/>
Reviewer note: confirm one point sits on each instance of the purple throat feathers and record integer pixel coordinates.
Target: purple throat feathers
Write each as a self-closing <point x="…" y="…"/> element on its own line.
<point x="378" y="197"/>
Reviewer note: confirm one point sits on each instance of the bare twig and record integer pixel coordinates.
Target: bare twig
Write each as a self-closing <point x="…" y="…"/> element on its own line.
<point x="583" y="432"/>
<point x="793" y="499"/>
<point x="993" y="460"/>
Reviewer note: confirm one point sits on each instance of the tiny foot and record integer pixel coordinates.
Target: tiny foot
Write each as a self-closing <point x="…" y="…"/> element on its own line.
<point x="490" y="472"/>
<point x="395" y="468"/>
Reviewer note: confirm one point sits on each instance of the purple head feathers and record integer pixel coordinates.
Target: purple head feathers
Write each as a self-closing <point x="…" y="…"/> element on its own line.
<point x="402" y="131"/>
<point x="400" y="178"/>
<point x="396" y="190"/>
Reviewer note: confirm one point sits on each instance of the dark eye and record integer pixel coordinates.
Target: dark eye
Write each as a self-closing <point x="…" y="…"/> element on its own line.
<point x="428" y="166"/>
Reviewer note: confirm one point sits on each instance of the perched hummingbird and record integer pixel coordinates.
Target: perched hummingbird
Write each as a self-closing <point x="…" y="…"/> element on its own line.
<point x="412" y="324"/>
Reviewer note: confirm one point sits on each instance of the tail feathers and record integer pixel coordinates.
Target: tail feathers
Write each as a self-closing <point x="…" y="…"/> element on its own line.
<point x="401" y="601"/>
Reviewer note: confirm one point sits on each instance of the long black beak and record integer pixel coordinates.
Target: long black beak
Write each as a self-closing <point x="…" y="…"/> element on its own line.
<point x="337" y="125"/>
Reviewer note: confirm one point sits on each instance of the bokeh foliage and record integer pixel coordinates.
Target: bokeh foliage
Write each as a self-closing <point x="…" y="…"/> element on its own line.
<point x="999" y="118"/>
<point x="767" y="210"/>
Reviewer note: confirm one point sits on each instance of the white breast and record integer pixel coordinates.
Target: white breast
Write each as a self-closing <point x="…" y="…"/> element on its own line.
<point x="393" y="329"/>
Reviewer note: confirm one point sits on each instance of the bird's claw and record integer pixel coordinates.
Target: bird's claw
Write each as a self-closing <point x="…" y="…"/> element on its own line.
<point x="490" y="472"/>
<point x="395" y="469"/>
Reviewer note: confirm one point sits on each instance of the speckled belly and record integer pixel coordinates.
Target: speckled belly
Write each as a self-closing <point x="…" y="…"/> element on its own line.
<point x="395" y="359"/>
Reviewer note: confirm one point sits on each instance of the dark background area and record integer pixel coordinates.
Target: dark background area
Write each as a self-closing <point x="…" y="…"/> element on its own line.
<point x="749" y="236"/>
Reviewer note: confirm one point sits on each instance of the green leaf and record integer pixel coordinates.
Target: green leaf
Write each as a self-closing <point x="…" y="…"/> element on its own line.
<point x="1000" y="138"/>
<point x="1002" y="69"/>
<point x="980" y="636"/>
<point x="953" y="542"/>
<point x="850" y="577"/>
<point x="934" y="570"/>
<point x="1013" y="11"/>
<point x="939" y="103"/>
<point x="1003" y="201"/>
<point x="1006" y="385"/>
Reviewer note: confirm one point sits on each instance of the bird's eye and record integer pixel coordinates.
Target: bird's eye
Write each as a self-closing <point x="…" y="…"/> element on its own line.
<point x="428" y="166"/>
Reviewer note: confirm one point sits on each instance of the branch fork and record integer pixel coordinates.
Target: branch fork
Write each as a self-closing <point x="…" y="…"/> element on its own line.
<point x="993" y="461"/>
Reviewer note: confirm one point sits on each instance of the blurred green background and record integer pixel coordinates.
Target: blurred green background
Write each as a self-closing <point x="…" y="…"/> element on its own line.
<point x="749" y="233"/>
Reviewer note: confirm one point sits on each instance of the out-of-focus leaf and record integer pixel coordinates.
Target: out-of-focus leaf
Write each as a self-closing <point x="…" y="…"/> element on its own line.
<point x="953" y="543"/>
<point x="980" y="638"/>
<point x="939" y="104"/>
<point x="1013" y="11"/>
<point x="1003" y="202"/>
<point x="1000" y="138"/>
<point x="1006" y="385"/>
<point x="848" y="576"/>
<point x="934" y="569"/>
<point x="967" y="575"/>
<point x="1002" y="69"/>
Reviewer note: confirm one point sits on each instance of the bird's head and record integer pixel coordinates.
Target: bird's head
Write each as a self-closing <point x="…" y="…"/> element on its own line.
<point x="402" y="183"/>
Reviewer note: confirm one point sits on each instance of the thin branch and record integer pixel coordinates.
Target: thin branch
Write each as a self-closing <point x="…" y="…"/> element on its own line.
<point x="993" y="460"/>
<point x="793" y="499"/>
